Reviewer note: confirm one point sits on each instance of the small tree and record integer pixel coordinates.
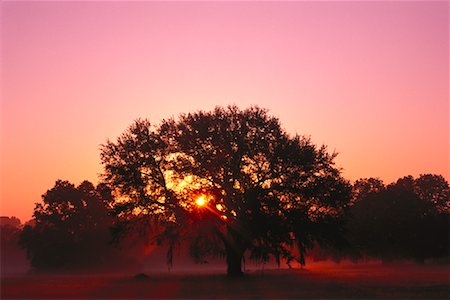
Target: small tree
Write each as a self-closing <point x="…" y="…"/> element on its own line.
<point x="230" y="181"/>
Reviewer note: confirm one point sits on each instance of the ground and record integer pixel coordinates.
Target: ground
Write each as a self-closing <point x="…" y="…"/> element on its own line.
<point x="318" y="281"/>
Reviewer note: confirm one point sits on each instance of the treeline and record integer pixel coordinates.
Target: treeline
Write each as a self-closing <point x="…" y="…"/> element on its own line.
<point x="405" y="220"/>
<point x="73" y="227"/>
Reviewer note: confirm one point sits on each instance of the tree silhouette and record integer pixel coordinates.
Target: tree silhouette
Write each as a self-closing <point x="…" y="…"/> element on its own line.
<point x="405" y="220"/>
<point x="365" y="186"/>
<point x="435" y="189"/>
<point x="263" y="191"/>
<point x="13" y="258"/>
<point x="71" y="227"/>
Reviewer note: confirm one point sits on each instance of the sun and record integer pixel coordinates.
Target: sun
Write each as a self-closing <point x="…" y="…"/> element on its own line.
<point x="201" y="201"/>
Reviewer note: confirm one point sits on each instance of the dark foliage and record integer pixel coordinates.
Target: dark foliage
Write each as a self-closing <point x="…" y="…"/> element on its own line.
<point x="13" y="258"/>
<point x="408" y="219"/>
<point x="71" y="228"/>
<point x="266" y="191"/>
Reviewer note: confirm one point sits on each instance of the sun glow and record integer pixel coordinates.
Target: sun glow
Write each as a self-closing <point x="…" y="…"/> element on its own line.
<point x="201" y="201"/>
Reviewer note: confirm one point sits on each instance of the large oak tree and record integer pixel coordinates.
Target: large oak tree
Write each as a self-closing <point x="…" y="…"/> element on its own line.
<point x="263" y="192"/>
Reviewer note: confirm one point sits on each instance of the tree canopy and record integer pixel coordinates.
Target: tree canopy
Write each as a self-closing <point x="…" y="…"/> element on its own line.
<point x="263" y="191"/>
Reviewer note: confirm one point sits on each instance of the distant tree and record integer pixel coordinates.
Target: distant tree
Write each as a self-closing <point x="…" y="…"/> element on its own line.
<point x="261" y="191"/>
<point x="11" y="254"/>
<point x="365" y="186"/>
<point x="435" y="189"/>
<point x="10" y="221"/>
<point x="400" y="222"/>
<point x="361" y="190"/>
<point x="70" y="228"/>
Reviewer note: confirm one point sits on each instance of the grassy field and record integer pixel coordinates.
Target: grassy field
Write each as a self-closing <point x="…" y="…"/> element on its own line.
<point x="316" y="282"/>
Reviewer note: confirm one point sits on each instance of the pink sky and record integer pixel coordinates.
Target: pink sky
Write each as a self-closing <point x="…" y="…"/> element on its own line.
<point x="369" y="79"/>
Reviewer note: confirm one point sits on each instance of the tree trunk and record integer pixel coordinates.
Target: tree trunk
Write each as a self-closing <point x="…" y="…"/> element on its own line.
<point x="234" y="261"/>
<point x="234" y="249"/>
